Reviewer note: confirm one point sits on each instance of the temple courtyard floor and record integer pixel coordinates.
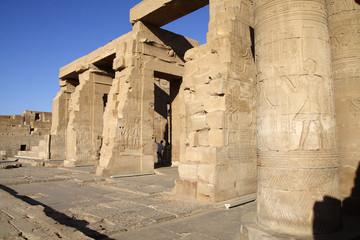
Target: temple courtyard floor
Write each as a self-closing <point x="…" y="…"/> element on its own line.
<point x="74" y="203"/>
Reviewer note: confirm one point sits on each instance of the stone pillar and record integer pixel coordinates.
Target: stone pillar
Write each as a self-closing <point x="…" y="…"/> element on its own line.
<point x="126" y="123"/>
<point x="86" y="107"/>
<point x="344" y="21"/>
<point x="298" y="176"/>
<point x="60" y="109"/>
<point x="162" y="98"/>
<point x="128" y="144"/>
<point x="176" y="130"/>
<point x="60" y="118"/>
<point x="218" y="152"/>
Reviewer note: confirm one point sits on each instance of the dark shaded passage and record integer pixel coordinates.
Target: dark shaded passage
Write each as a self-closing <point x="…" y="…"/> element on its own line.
<point x="161" y="98"/>
<point x="61" y="218"/>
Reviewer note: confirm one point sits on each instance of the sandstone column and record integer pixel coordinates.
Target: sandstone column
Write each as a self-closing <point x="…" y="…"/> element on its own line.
<point x="344" y="20"/>
<point x="298" y="178"/>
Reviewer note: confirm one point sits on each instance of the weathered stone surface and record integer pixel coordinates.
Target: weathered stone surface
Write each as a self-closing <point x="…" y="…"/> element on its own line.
<point x="219" y="96"/>
<point x="344" y="22"/>
<point x="86" y="108"/>
<point x="298" y="181"/>
<point x="225" y="106"/>
<point x="133" y="107"/>
<point x="20" y="133"/>
<point x="161" y="12"/>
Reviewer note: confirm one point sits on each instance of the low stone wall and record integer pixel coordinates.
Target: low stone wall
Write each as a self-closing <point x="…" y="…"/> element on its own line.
<point x="11" y="144"/>
<point x="22" y="132"/>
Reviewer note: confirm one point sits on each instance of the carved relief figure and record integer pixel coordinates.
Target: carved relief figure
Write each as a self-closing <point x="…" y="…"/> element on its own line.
<point x="310" y="111"/>
<point x="354" y="104"/>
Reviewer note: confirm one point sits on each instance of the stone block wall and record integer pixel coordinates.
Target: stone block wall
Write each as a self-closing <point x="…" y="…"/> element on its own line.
<point x="60" y="118"/>
<point x="21" y="132"/>
<point x="86" y="108"/>
<point x="218" y="151"/>
<point x="131" y="108"/>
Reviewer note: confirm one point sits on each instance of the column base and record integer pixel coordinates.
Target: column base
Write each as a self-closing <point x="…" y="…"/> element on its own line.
<point x="250" y="229"/>
<point x="69" y="163"/>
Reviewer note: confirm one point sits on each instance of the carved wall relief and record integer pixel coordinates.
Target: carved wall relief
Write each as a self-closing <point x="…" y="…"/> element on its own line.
<point x="344" y="21"/>
<point x="296" y="124"/>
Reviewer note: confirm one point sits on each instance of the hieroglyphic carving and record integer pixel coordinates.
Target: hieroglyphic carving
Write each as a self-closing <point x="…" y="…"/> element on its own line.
<point x="336" y="6"/>
<point x="344" y="21"/>
<point x="295" y="114"/>
<point x="129" y="133"/>
<point x="310" y="110"/>
<point x="241" y="114"/>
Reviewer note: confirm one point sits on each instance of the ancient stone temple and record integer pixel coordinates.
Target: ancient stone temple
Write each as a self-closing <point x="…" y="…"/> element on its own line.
<point x="269" y="105"/>
<point x="218" y="159"/>
<point x="24" y="134"/>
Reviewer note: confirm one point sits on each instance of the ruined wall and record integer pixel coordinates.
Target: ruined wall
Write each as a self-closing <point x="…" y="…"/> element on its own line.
<point x="60" y="118"/>
<point x="344" y="21"/>
<point x="21" y="132"/>
<point x="218" y="151"/>
<point x="86" y="108"/>
<point x="128" y="144"/>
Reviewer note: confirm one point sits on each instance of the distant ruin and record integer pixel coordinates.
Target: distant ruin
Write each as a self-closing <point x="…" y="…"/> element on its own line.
<point x="23" y="133"/>
<point x="252" y="110"/>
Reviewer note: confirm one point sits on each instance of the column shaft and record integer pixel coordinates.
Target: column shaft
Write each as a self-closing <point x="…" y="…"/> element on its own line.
<point x="344" y="21"/>
<point x="298" y="179"/>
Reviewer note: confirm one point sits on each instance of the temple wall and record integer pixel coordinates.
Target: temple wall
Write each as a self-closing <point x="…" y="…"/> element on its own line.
<point x="60" y="118"/>
<point x="60" y="115"/>
<point x="344" y="21"/>
<point x="11" y="144"/>
<point x="128" y="135"/>
<point x="218" y="150"/>
<point x="86" y="107"/>
<point x="22" y="132"/>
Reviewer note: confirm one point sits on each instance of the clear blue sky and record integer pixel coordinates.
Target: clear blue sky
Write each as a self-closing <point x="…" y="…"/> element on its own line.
<point x="37" y="37"/>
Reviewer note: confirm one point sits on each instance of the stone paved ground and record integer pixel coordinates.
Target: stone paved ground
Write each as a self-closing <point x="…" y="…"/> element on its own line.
<point x="73" y="203"/>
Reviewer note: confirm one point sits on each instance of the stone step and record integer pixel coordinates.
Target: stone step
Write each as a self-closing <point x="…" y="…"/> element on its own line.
<point x="27" y="154"/>
<point x="37" y="162"/>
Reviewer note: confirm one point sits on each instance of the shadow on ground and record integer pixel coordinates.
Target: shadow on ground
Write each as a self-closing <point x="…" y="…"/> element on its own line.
<point x="61" y="218"/>
<point x="327" y="215"/>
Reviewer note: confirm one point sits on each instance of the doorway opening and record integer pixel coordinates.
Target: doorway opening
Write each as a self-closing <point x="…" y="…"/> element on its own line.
<point x="22" y="147"/>
<point x="167" y="117"/>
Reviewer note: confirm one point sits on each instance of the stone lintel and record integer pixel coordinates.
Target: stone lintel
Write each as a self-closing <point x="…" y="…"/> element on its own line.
<point x="99" y="56"/>
<point x="161" y="12"/>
